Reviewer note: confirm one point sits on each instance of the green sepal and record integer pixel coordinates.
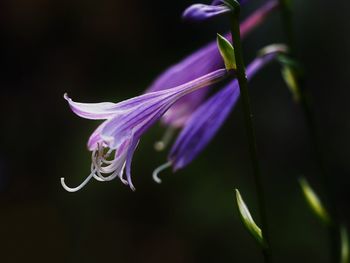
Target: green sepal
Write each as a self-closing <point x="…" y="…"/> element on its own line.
<point x="314" y="202"/>
<point x="227" y="52"/>
<point x="248" y="221"/>
<point x="291" y="70"/>
<point x="290" y="78"/>
<point x="344" y="245"/>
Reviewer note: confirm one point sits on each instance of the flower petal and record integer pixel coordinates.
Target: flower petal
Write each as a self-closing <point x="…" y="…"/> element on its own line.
<point x="103" y="110"/>
<point x="129" y="156"/>
<point x="203" y="125"/>
<point x="259" y="16"/>
<point x="95" y="137"/>
<point x="208" y="118"/>
<point x="92" y="111"/>
<point x="150" y="108"/>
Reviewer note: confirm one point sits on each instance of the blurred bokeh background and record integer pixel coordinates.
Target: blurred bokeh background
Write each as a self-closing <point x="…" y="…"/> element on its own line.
<point x="109" y="50"/>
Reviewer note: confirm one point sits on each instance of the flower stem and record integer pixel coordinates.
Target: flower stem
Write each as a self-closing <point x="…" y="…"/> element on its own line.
<point x="286" y="16"/>
<point x="334" y="237"/>
<point x="248" y="116"/>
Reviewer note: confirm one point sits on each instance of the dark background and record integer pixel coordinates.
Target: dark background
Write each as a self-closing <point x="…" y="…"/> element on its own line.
<point x="109" y="50"/>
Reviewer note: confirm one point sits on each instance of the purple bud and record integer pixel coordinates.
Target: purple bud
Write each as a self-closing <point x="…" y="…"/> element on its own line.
<point x="200" y="12"/>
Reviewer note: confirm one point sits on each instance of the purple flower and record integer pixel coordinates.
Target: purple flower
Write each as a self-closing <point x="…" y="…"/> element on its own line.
<point x="113" y="143"/>
<point x="208" y="118"/>
<point x="199" y="63"/>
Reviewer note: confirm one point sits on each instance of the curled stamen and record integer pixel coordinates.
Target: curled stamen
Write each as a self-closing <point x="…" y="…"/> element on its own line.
<point x="105" y="170"/>
<point x="158" y="170"/>
<point x="104" y="161"/>
<point x="98" y="160"/>
<point x="164" y="142"/>
<point x="93" y="171"/>
<point x="75" y="189"/>
<point x="124" y="181"/>
<point x="110" y="177"/>
<point x="99" y="170"/>
<point x="95" y="166"/>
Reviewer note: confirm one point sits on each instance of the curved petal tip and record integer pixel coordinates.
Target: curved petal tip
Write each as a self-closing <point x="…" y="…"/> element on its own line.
<point x="65" y="96"/>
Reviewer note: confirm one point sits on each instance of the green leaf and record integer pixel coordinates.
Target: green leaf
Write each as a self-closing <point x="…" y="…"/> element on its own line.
<point x="289" y="76"/>
<point x="248" y="221"/>
<point x="314" y="202"/>
<point x="344" y="243"/>
<point x="227" y="52"/>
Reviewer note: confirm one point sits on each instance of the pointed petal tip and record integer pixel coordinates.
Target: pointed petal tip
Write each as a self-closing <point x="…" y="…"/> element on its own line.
<point x="132" y="187"/>
<point x="65" y="96"/>
<point x="176" y="167"/>
<point x="176" y="163"/>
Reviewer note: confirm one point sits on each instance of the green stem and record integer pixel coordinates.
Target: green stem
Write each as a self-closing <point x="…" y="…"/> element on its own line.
<point x="286" y="16"/>
<point x="248" y="117"/>
<point x="329" y="188"/>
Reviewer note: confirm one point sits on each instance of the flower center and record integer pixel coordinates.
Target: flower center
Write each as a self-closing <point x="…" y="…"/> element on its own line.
<point x="105" y="166"/>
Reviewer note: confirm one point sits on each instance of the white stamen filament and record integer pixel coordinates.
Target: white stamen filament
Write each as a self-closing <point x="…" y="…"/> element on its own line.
<point x="114" y="168"/>
<point x="75" y="189"/>
<point x="124" y="181"/>
<point x="102" y="169"/>
<point x="158" y="170"/>
<point x="98" y="160"/>
<point x="164" y="142"/>
<point x="93" y="171"/>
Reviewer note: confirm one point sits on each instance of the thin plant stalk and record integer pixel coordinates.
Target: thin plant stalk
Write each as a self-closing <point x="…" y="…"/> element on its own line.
<point x="287" y="22"/>
<point x="248" y="117"/>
